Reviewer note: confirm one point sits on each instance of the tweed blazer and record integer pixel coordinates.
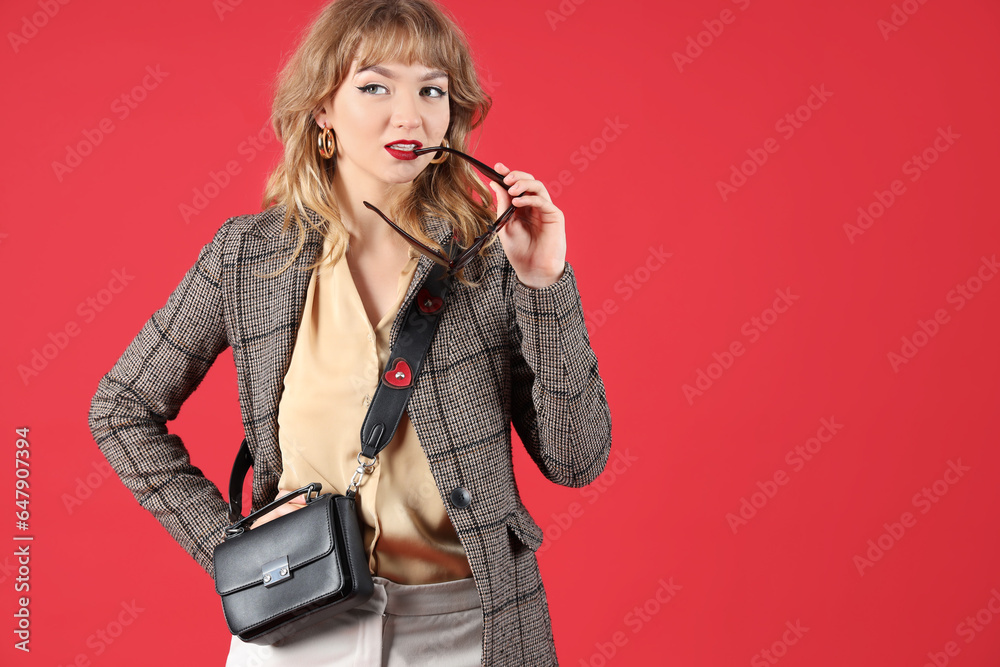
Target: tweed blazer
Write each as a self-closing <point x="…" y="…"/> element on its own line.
<point x="503" y="354"/>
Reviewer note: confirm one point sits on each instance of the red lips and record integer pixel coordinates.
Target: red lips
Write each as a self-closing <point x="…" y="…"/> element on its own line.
<point x="416" y="144"/>
<point x="401" y="154"/>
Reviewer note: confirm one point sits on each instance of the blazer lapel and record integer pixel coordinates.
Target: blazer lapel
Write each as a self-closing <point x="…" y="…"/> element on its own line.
<point x="264" y="314"/>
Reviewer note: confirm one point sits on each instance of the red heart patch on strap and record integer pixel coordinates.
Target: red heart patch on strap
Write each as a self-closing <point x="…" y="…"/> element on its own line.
<point x="428" y="303"/>
<point x="399" y="375"/>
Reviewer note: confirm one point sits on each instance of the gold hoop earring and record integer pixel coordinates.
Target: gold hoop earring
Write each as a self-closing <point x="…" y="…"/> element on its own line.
<point x="327" y="143"/>
<point x="441" y="155"/>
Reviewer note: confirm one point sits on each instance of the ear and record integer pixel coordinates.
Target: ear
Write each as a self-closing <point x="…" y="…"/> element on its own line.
<point x="320" y="115"/>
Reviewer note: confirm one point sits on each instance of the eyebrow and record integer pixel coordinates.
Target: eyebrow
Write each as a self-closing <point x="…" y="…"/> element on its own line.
<point x="384" y="71"/>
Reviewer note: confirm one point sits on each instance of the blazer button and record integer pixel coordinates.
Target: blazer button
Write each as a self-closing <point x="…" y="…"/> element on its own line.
<point x="461" y="498"/>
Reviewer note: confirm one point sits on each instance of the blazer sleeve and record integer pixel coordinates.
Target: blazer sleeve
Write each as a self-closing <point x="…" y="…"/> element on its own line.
<point x="558" y="405"/>
<point x="144" y="390"/>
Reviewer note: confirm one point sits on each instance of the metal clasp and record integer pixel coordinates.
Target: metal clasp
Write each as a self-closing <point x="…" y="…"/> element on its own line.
<point x="313" y="492"/>
<point x="276" y="571"/>
<point x="359" y="473"/>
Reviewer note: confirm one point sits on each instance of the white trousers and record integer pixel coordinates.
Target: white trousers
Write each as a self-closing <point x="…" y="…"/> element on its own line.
<point x="429" y="624"/>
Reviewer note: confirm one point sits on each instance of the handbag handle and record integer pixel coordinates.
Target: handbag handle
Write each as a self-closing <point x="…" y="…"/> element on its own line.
<point x="247" y="521"/>
<point x="387" y="405"/>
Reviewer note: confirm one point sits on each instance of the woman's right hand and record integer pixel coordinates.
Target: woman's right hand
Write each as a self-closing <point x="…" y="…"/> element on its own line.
<point x="295" y="503"/>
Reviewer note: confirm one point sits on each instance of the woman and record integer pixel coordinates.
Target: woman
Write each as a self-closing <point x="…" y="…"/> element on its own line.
<point x="308" y="294"/>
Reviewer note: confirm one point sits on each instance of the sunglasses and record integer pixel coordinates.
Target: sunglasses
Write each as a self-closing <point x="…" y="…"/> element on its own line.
<point x="454" y="265"/>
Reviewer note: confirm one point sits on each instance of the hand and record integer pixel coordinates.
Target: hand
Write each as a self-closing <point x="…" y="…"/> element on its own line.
<point x="298" y="502"/>
<point x="534" y="239"/>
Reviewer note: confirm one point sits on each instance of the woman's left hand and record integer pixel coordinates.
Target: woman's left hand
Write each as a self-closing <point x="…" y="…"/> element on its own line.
<point x="534" y="240"/>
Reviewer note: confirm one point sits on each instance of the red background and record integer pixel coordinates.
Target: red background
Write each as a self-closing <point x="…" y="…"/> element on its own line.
<point x="559" y="73"/>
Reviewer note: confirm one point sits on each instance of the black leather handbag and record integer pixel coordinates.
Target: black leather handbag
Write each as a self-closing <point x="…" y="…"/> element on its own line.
<point x="311" y="564"/>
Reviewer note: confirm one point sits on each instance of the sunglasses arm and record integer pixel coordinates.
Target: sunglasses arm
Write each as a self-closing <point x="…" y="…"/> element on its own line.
<point x="486" y="171"/>
<point x="409" y="237"/>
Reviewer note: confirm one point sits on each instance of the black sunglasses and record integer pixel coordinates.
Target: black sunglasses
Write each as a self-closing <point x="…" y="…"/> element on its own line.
<point x="454" y="265"/>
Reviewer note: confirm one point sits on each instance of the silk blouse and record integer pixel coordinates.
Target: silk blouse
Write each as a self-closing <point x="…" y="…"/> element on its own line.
<point x="335" y="367"/>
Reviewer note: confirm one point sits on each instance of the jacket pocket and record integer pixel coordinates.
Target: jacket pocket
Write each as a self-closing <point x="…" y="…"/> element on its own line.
<point x="525" y="529"/>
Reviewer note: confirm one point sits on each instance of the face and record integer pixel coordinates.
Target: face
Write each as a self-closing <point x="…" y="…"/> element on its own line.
<point x="382" y="104"/>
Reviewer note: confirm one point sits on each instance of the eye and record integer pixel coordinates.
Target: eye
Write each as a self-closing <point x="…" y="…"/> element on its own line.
<point x="364" y="89"/>
<point x="428" y="91"/>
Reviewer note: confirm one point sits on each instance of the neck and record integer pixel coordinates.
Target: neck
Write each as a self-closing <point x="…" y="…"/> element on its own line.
<point x="351" y="190"/>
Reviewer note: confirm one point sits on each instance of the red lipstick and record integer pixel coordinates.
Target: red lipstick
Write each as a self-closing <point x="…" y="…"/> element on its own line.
<point x="402" y="149"/>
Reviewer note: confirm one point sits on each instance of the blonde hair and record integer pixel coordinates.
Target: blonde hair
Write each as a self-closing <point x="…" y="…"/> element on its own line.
<point x="376" y="31"/>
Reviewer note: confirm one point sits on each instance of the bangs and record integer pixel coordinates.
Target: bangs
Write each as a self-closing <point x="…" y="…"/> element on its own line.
<point x="400" y="39"/>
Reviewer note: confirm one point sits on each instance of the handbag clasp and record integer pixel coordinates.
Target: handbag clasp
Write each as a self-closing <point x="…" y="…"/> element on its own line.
<point x="276" y="571"/>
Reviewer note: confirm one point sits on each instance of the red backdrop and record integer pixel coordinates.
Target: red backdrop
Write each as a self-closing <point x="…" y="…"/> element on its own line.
<point x="783" y="222"/>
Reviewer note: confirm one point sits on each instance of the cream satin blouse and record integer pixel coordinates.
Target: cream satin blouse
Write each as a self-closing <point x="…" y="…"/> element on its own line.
<point x="334" y="370"/>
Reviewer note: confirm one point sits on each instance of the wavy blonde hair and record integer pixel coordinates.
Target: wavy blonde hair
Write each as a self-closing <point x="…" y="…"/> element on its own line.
<point x="376" y="31"/>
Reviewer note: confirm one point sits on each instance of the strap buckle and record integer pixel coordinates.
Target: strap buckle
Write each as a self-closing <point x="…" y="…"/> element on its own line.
<point x="359" y="473"/>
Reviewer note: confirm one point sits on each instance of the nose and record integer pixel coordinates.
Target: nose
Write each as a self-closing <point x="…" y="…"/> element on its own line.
<point x="405" y="113"/>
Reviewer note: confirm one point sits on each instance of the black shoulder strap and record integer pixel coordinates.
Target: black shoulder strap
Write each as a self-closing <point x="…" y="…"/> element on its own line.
<point x="405" y="361"/>
<point x="395" y="385"/>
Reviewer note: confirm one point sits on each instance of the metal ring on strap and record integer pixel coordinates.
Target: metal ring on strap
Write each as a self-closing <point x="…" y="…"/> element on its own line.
<point x="359" y="473"/>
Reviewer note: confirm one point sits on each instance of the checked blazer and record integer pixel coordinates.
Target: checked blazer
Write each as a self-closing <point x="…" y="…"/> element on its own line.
<point x="503" y="354"/>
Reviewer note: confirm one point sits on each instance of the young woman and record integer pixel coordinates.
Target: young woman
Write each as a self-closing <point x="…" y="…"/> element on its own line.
<point x="309" y="295"/>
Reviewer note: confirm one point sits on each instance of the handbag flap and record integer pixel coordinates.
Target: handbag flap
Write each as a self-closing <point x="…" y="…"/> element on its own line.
<point x="303" y="536"/>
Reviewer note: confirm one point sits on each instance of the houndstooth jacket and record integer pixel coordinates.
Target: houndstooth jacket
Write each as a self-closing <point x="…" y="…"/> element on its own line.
<point x="503" y="353"/>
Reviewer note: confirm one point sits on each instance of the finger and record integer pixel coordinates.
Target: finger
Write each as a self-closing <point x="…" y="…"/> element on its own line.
<point x="527" y="186"/>
<point x="297" y="500"/>
<point x="529" y="200"/>
<point x="503" y="199"/>
<point x="511" y="176"/>
<point x="515" y="176"/>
